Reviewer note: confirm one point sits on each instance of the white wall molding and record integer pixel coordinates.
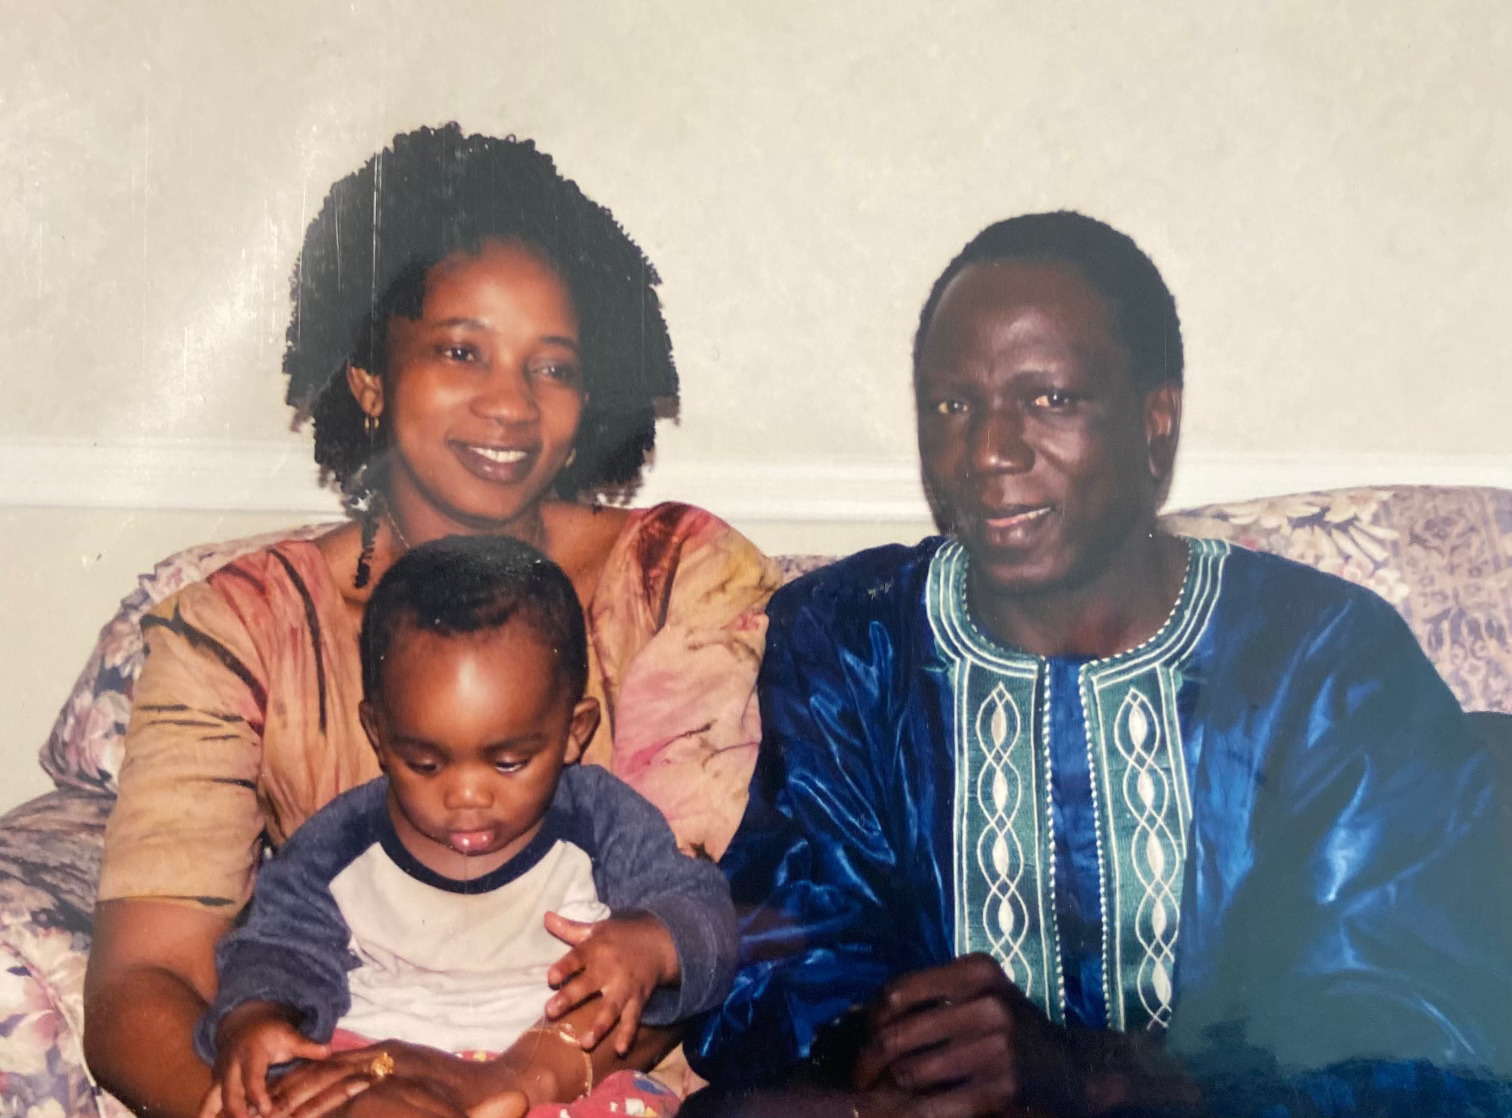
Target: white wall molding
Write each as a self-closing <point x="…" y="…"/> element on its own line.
<point x="168" y="475"/>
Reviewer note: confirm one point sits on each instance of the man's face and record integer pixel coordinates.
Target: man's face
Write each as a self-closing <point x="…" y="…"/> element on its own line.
<point x="1034" y="439"/>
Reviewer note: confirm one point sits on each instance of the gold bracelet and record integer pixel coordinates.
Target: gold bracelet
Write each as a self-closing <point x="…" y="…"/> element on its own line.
<point x="569" y="1034"/>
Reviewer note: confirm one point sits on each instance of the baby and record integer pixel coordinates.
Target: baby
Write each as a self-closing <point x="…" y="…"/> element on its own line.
<point x="431" y="905"/>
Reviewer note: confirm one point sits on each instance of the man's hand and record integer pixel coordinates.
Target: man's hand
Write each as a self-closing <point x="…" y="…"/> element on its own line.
<point x="622" y="960"/>
<point x="251" y="1038"/>
<point x="961" y="1040"/>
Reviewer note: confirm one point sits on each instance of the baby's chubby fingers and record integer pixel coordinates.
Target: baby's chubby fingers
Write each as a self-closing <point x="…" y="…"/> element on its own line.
<point x="579" y="990"/>
<point x="233" y="1094"/>
<point x="295" y="1047"/>
<point x="251" y="1038"/>
<point x="564" y="968"/>
<point x="572" y="932"/>
<point x="610" y="1007"/>
<point x="212" y="1104"/>
<point x="233" y="1090"/>
<point x="629" y="1022"/>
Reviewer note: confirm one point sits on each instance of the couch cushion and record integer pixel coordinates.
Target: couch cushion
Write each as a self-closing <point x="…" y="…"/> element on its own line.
<point x="1441" y="555"/>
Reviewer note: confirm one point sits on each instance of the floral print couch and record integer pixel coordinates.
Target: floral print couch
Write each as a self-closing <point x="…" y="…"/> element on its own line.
<point x="1442" y="556"/>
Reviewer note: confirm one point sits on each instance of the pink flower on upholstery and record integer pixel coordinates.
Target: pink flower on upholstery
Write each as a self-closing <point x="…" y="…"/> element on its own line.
<point x="31" y="1025"/>
<point x="1356" y="511"/>
<point x="121" y="644"/>
<point x="47" y="1108"/>
<point x="54" y="955"/>
<point x="100" y="735"/>
<point x="1274" y="512"/>
<point x="1363" y="505"/>
<point x="1385" y="581"/>
<point x="191" y="565"/>
<point x="1313" y="545"/>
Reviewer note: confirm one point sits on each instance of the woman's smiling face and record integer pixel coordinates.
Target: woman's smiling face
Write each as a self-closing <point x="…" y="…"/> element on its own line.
<point x="482" y="393"/>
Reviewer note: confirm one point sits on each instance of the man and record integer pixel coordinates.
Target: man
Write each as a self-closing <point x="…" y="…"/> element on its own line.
<point x="1085" y="817"/>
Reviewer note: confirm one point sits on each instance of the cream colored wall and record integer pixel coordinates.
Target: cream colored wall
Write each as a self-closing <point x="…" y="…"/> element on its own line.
<point x="1325" y="187"/>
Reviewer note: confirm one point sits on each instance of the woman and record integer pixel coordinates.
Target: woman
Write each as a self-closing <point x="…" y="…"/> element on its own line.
<point x="479" y="345"/>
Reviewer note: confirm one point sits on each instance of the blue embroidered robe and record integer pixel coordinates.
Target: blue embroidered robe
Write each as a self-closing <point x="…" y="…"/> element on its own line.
<point x="1265" y="832"/>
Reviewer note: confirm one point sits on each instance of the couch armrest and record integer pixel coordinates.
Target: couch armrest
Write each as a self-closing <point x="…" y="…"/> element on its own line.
<point x="49" y="864"/>
<point x="51" y="846"/>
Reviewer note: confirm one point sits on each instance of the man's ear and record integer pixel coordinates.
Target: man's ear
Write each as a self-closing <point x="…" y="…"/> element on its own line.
<point x="369" y="718"/>
<point x="367" y="389"/>
<point x="585" y="720"/>
<point x="1162" y="421"/>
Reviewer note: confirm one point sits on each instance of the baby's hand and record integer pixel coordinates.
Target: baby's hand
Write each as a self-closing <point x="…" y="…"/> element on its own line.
<point x="623" y="959"/>
<point x="251" y="1038"/>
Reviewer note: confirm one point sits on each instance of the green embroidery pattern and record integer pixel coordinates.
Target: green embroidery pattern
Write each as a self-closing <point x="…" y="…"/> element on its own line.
<point x="1004" y="844"/>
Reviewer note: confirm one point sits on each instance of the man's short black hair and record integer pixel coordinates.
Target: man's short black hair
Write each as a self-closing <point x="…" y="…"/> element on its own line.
<point x="1144" y="311"/>
<point x="435" y="192"/>
<point x="462" y="585"/>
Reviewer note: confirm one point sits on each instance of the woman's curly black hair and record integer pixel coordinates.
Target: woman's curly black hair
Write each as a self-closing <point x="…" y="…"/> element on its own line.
<point x="434" y="192"/>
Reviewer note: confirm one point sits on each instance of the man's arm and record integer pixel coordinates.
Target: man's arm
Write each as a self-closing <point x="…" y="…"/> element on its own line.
<point x="1367" y="955"/>
<point x="812" y="868"/>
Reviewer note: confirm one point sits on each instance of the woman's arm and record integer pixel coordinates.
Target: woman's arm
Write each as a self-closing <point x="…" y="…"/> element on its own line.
<point x="151" y="976"/>
<point x="544" y="1064"/>
<point x="186" y="826"/>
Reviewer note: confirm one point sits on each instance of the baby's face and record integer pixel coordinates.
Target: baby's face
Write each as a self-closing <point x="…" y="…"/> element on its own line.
<point x="473" y="732"/>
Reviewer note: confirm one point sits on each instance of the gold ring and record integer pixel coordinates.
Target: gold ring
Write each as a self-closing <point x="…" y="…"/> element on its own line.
<point x="381" y="1067"/>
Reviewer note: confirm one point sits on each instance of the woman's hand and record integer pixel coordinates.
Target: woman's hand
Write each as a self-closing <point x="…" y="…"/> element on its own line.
<point x="426" y="1080"/>
<point x="621" y="960"/>
<point x="251" y="1038"/>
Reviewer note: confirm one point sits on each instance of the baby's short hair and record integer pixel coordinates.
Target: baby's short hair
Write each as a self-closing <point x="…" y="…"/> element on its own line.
<point x="461" y="585"/>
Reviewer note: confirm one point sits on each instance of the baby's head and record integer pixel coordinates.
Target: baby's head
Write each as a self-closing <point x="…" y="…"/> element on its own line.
<point x="474" y="661"/>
